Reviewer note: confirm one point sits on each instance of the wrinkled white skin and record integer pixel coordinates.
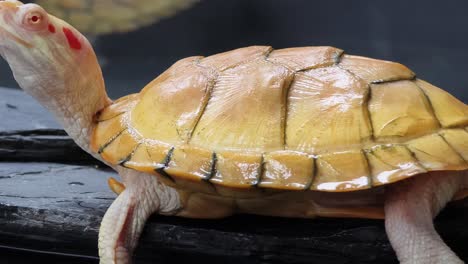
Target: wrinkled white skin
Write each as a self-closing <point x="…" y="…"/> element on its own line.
<point x="125" y="218"/>
<point x="69" y="83"/>
<point x="410" y="207"/>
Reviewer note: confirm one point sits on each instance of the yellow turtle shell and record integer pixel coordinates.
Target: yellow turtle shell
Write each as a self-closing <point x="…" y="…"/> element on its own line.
<point x="308" y="118"/>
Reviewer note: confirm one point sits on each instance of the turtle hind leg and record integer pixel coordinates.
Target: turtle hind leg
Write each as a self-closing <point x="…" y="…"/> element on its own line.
<point x="124" y="220"/>
<point x="410" y="207"/>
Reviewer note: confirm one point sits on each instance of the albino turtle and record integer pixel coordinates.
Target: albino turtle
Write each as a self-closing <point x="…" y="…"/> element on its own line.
<point x="97" y="17"/>
<point x="298" y="132"/>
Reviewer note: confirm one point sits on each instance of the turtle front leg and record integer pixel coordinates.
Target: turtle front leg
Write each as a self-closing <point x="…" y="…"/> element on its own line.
<point x="123" y="222"/>
<point x="410" y="207"/>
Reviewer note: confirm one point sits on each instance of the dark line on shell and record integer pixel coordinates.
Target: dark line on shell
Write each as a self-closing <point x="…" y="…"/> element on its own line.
<point x="366" y="102"/>
<point x="264" y="55"/>
<point x="454" y="150"/>
<point x="267" y="54"/>
<point x="166" y="161"/>
<point x="261" y="169"/>
<point x="286" y="110"/>
<point x="412" y="78"/>
<point x="392" y="80"/>
<point x="313" y="176"/>
<point x="168" y="157"/>
<point x="285" y="101"/>
<point x="338" y="57"/>
<point x="101" y="149"/>
<point x="413" y="154"/>
<point x="129" y="156"/>
<point x="371" y="152"/>
<point x="214" y="160"/>
<point x="208" y="96"/>
<point x="369" y="170"/>
<point x="214" y="171"/>
<point x="110" y="118"/>
<point x="433" y="111"/>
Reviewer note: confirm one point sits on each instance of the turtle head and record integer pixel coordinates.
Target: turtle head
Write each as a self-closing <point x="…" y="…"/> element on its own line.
<point x="43" y="51"/>
<point x="55" y="64"/>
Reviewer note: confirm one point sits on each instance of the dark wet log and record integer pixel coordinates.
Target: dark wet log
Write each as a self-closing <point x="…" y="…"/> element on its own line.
<point x="29" y="133"/>
<point x="56" y="208"/>
<point x="48" y="145"/>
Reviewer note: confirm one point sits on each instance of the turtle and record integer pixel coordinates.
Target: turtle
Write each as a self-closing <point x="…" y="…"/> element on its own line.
<point x="298" y="132"/>
<point x="103" y="17"/>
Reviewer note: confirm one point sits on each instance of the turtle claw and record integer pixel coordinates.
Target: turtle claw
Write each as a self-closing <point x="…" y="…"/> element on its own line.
<point x="116" y="186"/>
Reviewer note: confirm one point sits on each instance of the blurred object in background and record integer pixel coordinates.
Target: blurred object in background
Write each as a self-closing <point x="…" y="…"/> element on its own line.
<point x="430" y="37"/>
<point x="96" y="17"/>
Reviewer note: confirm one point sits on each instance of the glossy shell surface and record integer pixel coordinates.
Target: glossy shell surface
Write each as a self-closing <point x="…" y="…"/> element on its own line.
<point x="308" y="118"/>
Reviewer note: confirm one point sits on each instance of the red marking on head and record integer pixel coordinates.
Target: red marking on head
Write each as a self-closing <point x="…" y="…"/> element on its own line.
<point x="72" y="39"/>
<point x="51" y="28"/>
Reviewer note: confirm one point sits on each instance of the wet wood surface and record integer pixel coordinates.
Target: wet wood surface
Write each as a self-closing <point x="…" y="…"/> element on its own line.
<point x="53" y="197"/>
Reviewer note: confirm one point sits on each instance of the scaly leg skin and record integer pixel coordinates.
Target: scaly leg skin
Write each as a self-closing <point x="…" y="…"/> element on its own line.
<point x="410" y="207"/>
<point x="123" y="222"/>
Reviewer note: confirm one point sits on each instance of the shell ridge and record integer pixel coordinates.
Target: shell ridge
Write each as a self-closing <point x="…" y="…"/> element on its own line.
<point x="265" y="55"/>
<point x="338" y="57"/>
<point x="112" y="139"/>
<point x="166" y="161"/>
<point x="107" y="119"/>
<point x="368" y="168"/>
<point x="366" y="102"/>
<point x="205" y="101"/>
<point x="395" y="79"/>
<point x="372" y="152"/>
<point x="284" y="122"/>
<point x="286" y="89"/>
<point x="129" y="156"/>
<point x="261" y="171"/>
<point x="454" y="149"/>
<point x="314" y="174"/>
<point x="214" y="160"/>
<point x="416" y="157"/>
<point x="428" y="100"/>
<point x="413" y="153"/>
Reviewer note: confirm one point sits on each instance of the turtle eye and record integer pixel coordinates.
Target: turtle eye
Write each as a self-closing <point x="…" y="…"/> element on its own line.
<point x="33" y="17"/>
